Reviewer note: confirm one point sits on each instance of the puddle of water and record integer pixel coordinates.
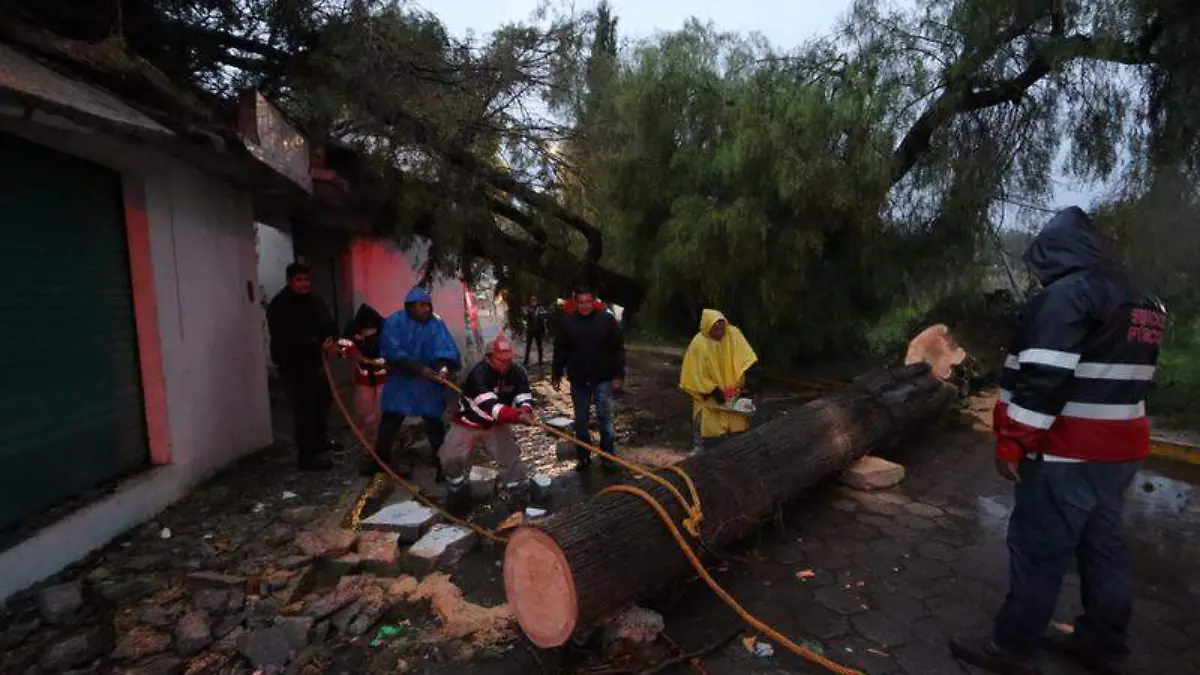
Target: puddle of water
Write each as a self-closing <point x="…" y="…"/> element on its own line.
<point x="1162" y="514"/>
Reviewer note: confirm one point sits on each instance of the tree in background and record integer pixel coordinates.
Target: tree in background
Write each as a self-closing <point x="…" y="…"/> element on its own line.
<point x="808" y="192"/>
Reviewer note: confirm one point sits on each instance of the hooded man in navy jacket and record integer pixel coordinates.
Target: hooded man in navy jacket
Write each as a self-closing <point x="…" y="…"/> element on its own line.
<point x="1071" y="433"/>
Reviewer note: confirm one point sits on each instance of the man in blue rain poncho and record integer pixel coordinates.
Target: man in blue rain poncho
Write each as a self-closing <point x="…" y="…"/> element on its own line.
<point x="419" y="351"/>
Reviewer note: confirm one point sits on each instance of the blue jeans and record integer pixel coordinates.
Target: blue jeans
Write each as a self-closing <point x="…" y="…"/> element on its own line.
<point x="1068" y="512"/>
<point x="582" y="397"/>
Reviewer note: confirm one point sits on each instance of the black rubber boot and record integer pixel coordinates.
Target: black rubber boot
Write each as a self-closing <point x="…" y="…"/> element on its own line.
<point x="583" y="459"/>
<point x="314" y="463"/>
<point x="983" y="653"/>
<point x="367" y="466"/>
<point x="458" y="499"/>
<point x="1067" y="644"/>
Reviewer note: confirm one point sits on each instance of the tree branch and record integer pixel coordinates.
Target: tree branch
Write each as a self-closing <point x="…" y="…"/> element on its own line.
<point x="1049" y="58"/>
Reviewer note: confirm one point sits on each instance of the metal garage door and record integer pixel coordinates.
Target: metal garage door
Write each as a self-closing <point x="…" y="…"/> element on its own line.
<point x="71" y="408"/>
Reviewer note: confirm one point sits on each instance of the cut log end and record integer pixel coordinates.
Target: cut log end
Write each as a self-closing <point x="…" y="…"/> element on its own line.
<point x="540" y="587"/>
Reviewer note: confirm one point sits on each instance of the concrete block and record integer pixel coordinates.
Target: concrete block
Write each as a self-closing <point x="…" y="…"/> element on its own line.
<point x="329" y="543"/>
<point x="566" y="451"/>
<point x="410" y="519"/>
<point x="443" y="546"/>
<point x="380" y="552"/>
<point x="483" y="482"/>
<point x="872" y="473"/>
<point x="328" y="571"/>
<point x="197" y="580"/>
<point x="539" y="488"/>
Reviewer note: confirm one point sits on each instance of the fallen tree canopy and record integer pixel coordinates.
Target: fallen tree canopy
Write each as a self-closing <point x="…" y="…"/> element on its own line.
<point x="473" y="197"/>
<point x="587" y="563"/>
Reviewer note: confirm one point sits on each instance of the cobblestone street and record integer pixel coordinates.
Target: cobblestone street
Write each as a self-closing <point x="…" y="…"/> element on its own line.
<point x="896" y="573"/>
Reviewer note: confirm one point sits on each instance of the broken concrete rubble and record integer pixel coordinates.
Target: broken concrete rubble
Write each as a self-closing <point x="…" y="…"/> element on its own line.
<point x="483" y="482"/>
<point x="327" y="543"/>
<point x="192" y="633"/>
<point x="266" y="647"/>
<point x="139" y="643"/>
<point x="873" y="473"/>
<point x="410" y="519"/>
<point x="379" y="552"/>
<point x="539" y="486"/>
<point x="565" y="451"/>
<point x="443" y="546"/>
<point x="57" y="604"/>
<point x="77" y="650"/>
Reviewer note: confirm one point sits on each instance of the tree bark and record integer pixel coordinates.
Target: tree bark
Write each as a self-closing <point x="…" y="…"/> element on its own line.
<point x="587" y="563"/>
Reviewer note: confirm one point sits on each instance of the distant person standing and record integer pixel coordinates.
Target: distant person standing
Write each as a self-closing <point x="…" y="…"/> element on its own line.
<point x="590" y="350"/>
<point x="536" y="325"/>
<point x="301" y="328"/>
<point x="419" y="351"/>
<point x="1071" y="434"/>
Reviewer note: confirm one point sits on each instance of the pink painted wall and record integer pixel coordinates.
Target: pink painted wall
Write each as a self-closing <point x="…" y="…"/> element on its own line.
<point x="381" y="274"/>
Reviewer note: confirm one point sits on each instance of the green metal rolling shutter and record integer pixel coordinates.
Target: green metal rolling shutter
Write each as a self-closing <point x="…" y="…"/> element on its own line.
<point x="71" y="407"/>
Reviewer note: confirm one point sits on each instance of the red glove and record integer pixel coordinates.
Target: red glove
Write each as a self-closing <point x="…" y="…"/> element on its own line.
<point x="508" y="415"/>
<point x="1013" y="439"/>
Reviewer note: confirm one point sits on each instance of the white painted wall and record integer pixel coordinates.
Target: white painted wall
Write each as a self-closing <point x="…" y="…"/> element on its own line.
<point x="210" y="329"/>
<point x="275" y="252"/>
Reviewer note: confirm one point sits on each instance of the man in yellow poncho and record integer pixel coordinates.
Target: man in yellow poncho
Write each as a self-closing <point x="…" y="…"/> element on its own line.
<point x="714" y="373"/>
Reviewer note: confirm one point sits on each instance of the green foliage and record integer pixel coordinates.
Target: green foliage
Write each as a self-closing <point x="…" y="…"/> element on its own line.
<point x="1178" y="380"/>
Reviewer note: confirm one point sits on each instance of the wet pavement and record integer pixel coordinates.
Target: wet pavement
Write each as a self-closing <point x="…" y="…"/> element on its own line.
<point x="896" y="573"/>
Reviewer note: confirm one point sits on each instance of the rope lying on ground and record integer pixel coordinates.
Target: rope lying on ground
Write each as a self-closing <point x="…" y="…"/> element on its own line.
<point x="691" y="523"/>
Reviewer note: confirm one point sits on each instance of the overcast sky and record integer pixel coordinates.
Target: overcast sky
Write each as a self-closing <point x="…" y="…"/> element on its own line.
<point x="786" y="23"/>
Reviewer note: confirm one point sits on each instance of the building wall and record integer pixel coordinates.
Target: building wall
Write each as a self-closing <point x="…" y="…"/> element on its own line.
<point x="275" y="252"/>
<point x="381" y="275"/>
<point x="204" y="372"/>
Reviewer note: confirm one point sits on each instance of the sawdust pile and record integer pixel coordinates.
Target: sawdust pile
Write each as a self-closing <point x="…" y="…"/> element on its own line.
<point x="483" y="626"/>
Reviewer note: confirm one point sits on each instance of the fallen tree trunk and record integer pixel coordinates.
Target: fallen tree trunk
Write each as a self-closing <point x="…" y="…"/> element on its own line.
<point x="584" y="564"/>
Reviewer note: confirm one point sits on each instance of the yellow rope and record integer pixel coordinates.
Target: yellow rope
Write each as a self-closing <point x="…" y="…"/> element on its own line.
<point x="411" y="487"/>
<point x="695" y="516"/>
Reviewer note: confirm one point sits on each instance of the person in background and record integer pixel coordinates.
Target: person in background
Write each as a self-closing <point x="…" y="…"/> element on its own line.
<point x="360" y="344"/>
<point x="590" y="350"/>
<point x="420" y="354"/>
<point x="301" y="328"/>
<point x="495" y="395"/>
<point x="536" y="325"/>
<point x="1071" y="433"/>
<point x="714" y="374"/>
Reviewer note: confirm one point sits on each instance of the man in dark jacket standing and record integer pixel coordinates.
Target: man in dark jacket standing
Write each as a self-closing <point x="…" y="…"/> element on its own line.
<point x="590" y="350"/>
<point x="1071" y="433"/>
<point x="301" y="328"/>
<point x="536" y="326"/>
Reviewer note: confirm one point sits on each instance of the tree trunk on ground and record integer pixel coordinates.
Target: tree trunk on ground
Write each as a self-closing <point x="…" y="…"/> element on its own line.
<point x="587" y="563"/>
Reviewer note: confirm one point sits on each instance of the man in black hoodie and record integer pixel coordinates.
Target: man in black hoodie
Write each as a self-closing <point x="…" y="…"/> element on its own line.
<point x="301" y="328"/>
<point x="590" y="350"/>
